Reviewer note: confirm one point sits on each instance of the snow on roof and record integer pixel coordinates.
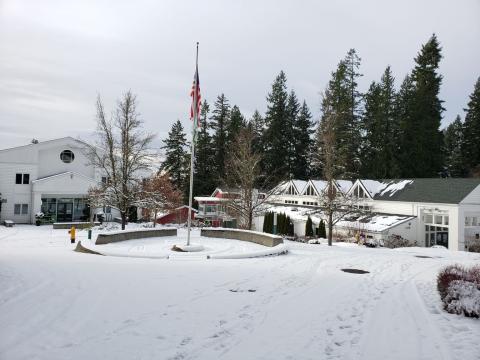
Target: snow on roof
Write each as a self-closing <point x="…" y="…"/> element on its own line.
<point x="384" y="187"/>
<point x="300" y="185"/>
<point x="366" y="222"/>
<point x="209" y="198"/>
<point x="373" y="186"/>
<point x="344" y="185"/>
<point x="320" y="185"/>
<point x="373" y="222"/>
<point x="393" y="187"/>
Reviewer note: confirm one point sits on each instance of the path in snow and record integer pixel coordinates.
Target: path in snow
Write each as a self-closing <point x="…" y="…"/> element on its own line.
<point x="58" y="304"/>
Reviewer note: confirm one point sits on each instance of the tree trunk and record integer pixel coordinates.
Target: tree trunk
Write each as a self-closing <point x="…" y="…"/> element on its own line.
<point x="124" y="219"/>
<point x="154" y="218"/>
<point x="330" y="228"/>
<point x="250" y="220"/>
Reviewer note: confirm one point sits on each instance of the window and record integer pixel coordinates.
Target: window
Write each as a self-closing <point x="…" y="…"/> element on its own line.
<point x="20" y="209"/>
<point x="445" y="220"/>
<point x="310" y="190"/>
<point x="104" y="180"/>
<point x="22" y="179"/>
<point x="67" y="156"/>
<point x="291" y="190"/>
<point x="438" y="219"/>
<point x="474" y="221"/>
<point x="429" y="219"/>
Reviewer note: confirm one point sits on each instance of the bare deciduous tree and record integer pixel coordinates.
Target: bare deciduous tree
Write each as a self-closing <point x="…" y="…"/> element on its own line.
<point x="121" y="153"/>
<point x="334" y="204"/>
<point x="243" y="174"/>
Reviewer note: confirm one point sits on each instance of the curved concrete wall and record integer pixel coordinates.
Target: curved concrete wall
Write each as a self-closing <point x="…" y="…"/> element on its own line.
<point x="245" y="235"/>
<point x="131" y="235"/>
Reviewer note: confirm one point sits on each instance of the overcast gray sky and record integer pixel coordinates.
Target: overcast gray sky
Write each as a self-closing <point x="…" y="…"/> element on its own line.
<point x="56" y="55"/>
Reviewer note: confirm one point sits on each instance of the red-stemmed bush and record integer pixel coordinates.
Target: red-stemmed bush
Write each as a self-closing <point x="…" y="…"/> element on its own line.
<point x="459" y="289"/>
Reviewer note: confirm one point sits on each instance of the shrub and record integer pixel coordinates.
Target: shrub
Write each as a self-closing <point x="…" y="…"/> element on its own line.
<point x="309" y="227"/>
<point x="463" y="297"/>
<point x="396" y="241"/>
<point x="447" y="275"/>
<point x="459" y="290"/>
<point x="474" y="246"/>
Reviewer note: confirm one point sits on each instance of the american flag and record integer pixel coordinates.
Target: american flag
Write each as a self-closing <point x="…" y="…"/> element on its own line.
<point x="195" y="94"/>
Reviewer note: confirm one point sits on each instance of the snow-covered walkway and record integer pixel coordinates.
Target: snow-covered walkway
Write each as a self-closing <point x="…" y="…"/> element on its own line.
<point x="59" y="304"/>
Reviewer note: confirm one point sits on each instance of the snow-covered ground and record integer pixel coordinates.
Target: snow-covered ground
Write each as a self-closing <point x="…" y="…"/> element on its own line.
<point x="60" y="304"/>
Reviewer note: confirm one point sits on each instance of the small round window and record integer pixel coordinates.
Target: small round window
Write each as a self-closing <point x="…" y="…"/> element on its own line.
<point x="67" y="156"/>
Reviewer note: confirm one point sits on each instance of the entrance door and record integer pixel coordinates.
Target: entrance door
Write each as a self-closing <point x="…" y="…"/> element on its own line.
<point x="64" y="210"/>
<point x="442" y="239"/>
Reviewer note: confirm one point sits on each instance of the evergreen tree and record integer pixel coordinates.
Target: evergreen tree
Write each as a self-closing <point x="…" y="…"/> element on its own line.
<point x="408" y="126"/>
<point x="342" y="102"/>
<point x="322" y="232"/>
<point x="219" y="120"/>
<point x="257" y="124"/>
<point x="234" y="125"/>
<point x="176" y="163"/>
<point x="293" y="108"/>
<point x="303" y="129"/>
<point x="381" y="130"/>
<point x="424" y="110"/>
<point x="453" y="142"/>
<point x="204" y="183"/>
<point x="472" y="131"/>
<point x="275" y="136"/>
<point x="353" y="120"/>
<point x="309" y="227"/>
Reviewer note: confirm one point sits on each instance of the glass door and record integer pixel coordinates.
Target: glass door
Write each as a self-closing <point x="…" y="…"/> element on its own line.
<point x="65" y="210"/>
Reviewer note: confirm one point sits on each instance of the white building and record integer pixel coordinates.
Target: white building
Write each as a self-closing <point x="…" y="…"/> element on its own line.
<point x="428" y="211"/>
<point x="52" y="177"/>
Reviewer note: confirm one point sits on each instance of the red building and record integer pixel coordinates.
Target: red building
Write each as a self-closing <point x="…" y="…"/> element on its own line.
<point x="177" y="216"/>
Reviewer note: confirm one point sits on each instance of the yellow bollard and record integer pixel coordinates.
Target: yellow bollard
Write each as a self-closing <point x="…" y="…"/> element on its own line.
<point x="72" y="234"/>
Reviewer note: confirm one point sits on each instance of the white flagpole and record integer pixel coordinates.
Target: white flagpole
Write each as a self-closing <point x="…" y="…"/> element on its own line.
<point x="192" y="157"/>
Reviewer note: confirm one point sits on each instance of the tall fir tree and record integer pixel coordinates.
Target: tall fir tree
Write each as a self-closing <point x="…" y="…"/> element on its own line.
<point x="177" y="159"/>
<point x="353" y="121"/>
<point x="422" y="142"/>
<point x="303" y="143"/>
<point x="204" y="183"/>
<point x="381" y="130"/>
<point x="408" y="125"/>
<point x="293" y="108"/>
<point x="342" y="102"/>
<point x="235" y="123"/>
<point x="257" y="124"/>
<point x="275" y="138"/>
<point x="219" y="120"/>
<point x="471" y="149"/>
<point x="453" y="144"/>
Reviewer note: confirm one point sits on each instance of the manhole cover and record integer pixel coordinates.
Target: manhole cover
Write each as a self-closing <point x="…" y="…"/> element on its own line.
<point x="355" y="271"/>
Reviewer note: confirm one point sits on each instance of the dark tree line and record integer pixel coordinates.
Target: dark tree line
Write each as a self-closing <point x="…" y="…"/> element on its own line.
<point x="382" y="133"/>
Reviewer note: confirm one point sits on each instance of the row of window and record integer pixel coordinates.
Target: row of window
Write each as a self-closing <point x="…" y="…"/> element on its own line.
<point x="472" y="221"/>
<point x="22" y="178"/>
<point x="291" y="202"/>
<point x="20" y="209"/>
<point x="436" y="219"/>
<point x="310" y="203"/>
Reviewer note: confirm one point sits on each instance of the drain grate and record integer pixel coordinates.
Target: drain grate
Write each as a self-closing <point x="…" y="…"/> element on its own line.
<point x="355" y="271"/>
